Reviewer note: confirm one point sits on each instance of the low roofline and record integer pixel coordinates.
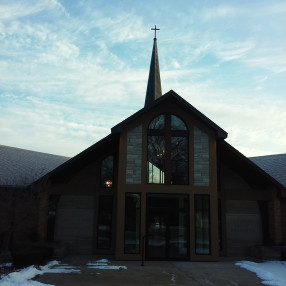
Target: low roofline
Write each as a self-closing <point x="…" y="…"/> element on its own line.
<point x="251" y="164"/>
<point x="171" y="94"/>
<point x="79" y="156"/>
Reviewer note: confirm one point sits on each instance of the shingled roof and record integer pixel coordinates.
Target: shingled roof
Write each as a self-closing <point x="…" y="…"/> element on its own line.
<point x="20" y="167"/>
<point x="274" y="165"/>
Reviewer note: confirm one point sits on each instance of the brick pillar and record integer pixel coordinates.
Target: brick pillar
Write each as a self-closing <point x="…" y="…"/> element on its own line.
<point x="43" y="214"/>
<point x="275" y="219"/>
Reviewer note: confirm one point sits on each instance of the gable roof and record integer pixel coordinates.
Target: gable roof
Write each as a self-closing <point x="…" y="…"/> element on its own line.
<point x="274" y="165"/>
<point x="65" y="171"/>
<point x="20" y="167"/>
<point x="253" y="173"/>
<point x="173" y="96"/>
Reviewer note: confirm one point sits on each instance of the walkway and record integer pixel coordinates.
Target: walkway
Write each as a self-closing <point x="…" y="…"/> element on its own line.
<point x="222" y="273"/>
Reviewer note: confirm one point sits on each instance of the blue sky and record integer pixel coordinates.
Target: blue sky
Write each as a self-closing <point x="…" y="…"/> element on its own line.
<point x="71" y="70"/>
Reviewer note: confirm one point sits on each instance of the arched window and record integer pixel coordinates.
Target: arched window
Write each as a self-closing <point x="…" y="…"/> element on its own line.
<point x="106" y="172"/>
<point x="167" y="156"/>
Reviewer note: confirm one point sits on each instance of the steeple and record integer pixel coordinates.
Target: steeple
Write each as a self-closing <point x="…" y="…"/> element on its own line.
<point x="154" y="82"/>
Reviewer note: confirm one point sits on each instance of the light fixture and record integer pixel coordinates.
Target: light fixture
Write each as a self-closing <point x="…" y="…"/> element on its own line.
<point x="108" y="183"/>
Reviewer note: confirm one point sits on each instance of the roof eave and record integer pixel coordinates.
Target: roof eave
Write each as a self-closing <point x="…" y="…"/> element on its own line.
<point x="79" y="156"/>
<point x="246" y="160"/>
<point x="220" y="133"/>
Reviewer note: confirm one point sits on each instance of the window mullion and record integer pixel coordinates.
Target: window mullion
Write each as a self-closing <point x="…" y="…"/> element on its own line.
<point x="168" y="149"/>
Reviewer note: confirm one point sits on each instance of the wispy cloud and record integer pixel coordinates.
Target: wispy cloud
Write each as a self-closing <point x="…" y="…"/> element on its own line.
<point x="220" y="12"/>
<point x="14" y="10"/>
<point x="233" y="51"/>
<point x="72" y="70"/>
<point x="272" y="8"/>
<point x="273" y="62"/>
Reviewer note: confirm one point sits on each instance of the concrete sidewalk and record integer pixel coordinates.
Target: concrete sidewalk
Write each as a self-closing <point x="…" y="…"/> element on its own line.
<point x="222" y="273"/>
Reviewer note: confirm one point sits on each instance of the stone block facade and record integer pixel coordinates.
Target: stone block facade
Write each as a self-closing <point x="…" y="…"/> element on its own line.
<point x="201" y="158"/>
<point x="134" y="156"/>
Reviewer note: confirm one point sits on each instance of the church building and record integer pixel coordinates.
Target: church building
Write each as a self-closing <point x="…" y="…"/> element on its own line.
<point x="164" y="184"/>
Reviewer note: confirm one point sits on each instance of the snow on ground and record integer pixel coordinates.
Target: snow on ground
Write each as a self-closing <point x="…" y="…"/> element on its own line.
<point x="104" y="264"/>
<point x="24" y="277"/>
<point x="271" y="272"/>
<point x="9" y="264"/>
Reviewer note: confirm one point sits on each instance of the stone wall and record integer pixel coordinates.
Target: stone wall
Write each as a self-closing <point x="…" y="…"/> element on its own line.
<point x="134" y="156"/>
<point x="201" y="158"/>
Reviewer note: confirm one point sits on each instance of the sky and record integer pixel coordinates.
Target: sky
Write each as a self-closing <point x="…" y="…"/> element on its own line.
<point x="71" y="70"/>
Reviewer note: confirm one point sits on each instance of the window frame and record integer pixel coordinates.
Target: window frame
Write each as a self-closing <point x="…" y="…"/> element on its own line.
<point x="102" y="180"/>
<point x="204" y="211"/>
<point x="137" y="209"/>
<point x="168" y="133"/>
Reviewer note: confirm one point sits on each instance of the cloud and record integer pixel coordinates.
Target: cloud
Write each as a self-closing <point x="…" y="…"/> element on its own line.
<point x="275" y="8"/>
<point x="175" y="64"/>
<point x="233" y="50"/>
<point x="255" y="124"/>
<point x="219" y="12"/>
<point x="268" y="61"/>
<point x="73" y="75"/>
<point x="58" y="53"/>
<point x="116" y="29"/>
<point x="52" y="126"/>
<point x="15" y="10"/>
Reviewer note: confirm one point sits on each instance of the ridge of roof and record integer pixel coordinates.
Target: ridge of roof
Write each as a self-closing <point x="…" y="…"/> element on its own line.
<point x="268" y="156"/>
<point x="33" y="151"/>
<point x="169" y="95"/>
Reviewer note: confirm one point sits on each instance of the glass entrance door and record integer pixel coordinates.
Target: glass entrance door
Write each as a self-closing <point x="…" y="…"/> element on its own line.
<point x="167" y="226"/>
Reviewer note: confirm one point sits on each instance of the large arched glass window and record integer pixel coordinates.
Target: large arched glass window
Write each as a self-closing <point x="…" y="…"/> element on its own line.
<point x="168" y="158"/>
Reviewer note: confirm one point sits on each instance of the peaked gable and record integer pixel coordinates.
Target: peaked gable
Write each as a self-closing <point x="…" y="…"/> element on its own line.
<point x="65" y="171"/>
<point x="172" y="96"/>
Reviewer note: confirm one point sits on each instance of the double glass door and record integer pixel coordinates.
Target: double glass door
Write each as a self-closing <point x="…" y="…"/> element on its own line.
<point x="167" y="226"/>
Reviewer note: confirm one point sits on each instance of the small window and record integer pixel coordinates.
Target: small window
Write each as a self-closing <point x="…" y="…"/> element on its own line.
<point x="107" y="172"/>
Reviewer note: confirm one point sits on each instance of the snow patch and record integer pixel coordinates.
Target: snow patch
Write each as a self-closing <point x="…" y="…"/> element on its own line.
<point x="24" y="277"/>
<point x="9" y="264"/>
<point x="104" y="264"/>
<point x="271" y="272"/>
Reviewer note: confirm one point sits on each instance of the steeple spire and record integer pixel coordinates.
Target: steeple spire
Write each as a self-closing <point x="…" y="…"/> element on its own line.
<point x="154" y="81"/>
